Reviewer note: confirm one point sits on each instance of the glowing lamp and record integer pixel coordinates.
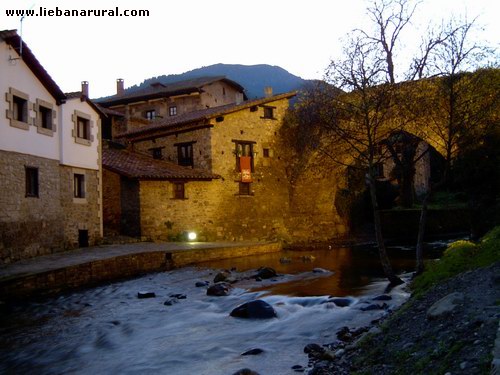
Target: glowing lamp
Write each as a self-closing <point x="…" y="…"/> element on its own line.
<point x="191" y="236"/>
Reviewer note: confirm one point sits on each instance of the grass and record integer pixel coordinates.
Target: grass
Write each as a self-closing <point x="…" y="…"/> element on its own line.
<point x="461" y="256"/>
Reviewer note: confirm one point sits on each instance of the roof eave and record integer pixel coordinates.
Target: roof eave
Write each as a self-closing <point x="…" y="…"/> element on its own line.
<point x="14" y="41"/>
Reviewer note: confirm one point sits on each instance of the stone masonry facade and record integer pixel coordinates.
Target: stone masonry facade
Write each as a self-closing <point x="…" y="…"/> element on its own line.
<point x="33" y="226"/>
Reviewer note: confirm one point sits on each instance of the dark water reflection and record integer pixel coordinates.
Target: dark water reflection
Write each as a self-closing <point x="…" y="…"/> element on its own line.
<point x="352" y="268"/>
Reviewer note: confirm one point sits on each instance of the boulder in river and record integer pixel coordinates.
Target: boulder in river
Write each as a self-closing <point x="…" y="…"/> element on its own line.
<point x="257" y="309"/>
<point x="170" y="301"/>
<point x="222" y="276"/>
<point x="178" y="296"/>
<point x="142" y="295"/>
<point x="313" y="348"/>
<point x="382" y="297"/>
<point x="246" y="371"/>
<point x="201" y="284"/>
<point x="265" y="273"/>
<point x="341" y="302"/>
<point x="219" y="290"/>
<point x="254" y="351"/>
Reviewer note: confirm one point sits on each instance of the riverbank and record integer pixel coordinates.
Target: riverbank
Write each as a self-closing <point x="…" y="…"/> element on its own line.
<point x="448" y="326"/>
<point x="91" y="266"/>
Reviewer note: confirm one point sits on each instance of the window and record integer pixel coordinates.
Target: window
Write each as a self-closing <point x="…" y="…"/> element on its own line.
<point x="20" y="109"/>
<point x="82" y="128"/>
<point x="179" y="191"/>
<point x="45" y="117"/>
<point x="79" y="185"/>
<point x="185" y="154"/>
<point x="31" y="176"/>
<point x="224" y="91"/>
<point x="269" y="112"/>
<point x="266" y="153"/>
<point x="244" y="148"/>
<point x="245" y="188"/>
<point x="172" y="111"/>
<point x="157" y="152"/>
<point x="150" y="115"/>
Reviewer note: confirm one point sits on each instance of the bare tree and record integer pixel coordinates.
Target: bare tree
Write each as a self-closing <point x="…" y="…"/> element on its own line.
<point x="453" y="108"/>
<point x="390" y="18"/>
<point x="355" y="122"/>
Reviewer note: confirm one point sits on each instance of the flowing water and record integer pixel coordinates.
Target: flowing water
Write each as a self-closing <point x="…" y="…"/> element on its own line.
<point x="108" y="330"/>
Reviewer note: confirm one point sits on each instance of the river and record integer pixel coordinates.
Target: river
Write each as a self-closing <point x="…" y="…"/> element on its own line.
<point x="109" y="330"/>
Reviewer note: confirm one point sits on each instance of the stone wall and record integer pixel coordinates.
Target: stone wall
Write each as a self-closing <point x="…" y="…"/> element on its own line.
<point x="33" y="226"/>
<point x="202" y="149"/>
<point x="80" y="214"/>
<point x="313" y="214"/>
<point x="215" y="209"/>
<point x="111" y="192"/>
<point x="29" y="226"/>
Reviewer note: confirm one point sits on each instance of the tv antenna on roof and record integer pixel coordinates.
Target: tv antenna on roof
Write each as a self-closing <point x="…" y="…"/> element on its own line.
<point x="21" y="30"/>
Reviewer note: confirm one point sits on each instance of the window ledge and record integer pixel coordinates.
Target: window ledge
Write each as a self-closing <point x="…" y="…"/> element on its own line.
<point x="83" y="141"/>
<point x="45" y="131"/>
<point x="80" y="200"/>
<point x="19" y="124"/>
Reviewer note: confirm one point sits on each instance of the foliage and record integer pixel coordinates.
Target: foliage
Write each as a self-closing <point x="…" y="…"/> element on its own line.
<point x="459" y="257"/>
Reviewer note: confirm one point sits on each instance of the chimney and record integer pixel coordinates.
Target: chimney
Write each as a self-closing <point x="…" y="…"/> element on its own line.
<point x="268" y="91"/>
<point x="85" y="88"/>
<point x="120" y="86"/>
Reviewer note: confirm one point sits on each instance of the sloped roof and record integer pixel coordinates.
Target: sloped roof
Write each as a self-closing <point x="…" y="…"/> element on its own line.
<point x="14" y="40"/>
<point x="201" y="116"/>
<point x="135" y="165"/>
<point x="79" y="95"/>
<point x="159" y="90"/>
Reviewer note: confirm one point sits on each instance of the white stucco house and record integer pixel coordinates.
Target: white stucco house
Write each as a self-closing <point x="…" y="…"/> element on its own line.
<point x="50" y="159"/>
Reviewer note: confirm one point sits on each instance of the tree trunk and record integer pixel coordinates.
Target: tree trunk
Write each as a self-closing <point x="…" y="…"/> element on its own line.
<point x="384" y="259"/>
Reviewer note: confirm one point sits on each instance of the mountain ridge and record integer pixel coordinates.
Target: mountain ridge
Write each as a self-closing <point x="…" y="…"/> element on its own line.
<point x="254" y="78"/>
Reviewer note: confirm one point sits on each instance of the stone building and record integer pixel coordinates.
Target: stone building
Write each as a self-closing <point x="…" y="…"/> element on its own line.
<point x="159" y="101"/>
<point x="216" y="171"/>
<point x="50" y="161"/>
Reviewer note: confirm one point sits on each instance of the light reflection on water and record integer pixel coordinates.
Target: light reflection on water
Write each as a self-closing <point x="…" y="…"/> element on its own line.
<point x="109" y="330"/>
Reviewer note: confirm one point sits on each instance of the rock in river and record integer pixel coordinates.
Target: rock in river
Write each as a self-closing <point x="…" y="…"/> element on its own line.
<point x="341" y="302"/>
<point x="246" y="371"/>
<point x="146" y="295"/>
<point x="219" y="290"/>
<point x="254" y="351"/>
<point x="221" y="276"/>
<point x="257" y="309"/>
<point x="266" y="273"/>
<point x="201" y="284"/>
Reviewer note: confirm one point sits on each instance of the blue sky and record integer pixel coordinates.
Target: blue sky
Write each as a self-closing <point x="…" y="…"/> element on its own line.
<point x="300" y="36"/>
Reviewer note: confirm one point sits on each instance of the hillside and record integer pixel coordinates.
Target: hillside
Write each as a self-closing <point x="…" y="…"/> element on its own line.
<point x="252" y="77"/>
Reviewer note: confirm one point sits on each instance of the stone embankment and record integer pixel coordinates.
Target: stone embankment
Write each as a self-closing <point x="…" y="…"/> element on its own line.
<point x="86" y="267"/>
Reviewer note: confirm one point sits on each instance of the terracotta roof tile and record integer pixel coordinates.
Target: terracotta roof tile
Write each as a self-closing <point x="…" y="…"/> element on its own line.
<point x="135" y="165"/>
<point x="196" y="117"/>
